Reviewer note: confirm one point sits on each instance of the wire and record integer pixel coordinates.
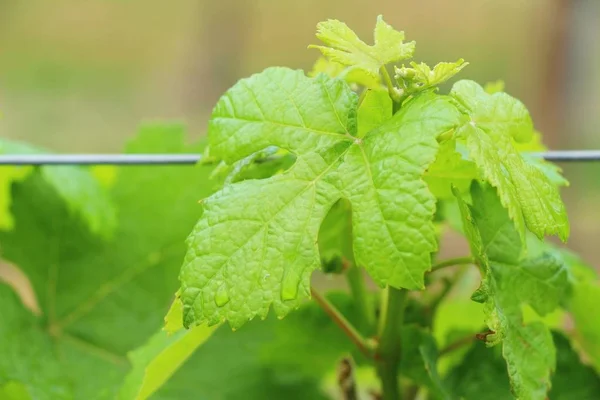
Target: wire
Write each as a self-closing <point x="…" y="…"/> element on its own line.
<point x="100" y="159"/>
<point x="570" y="155"/>
<point x="191" y="159"/>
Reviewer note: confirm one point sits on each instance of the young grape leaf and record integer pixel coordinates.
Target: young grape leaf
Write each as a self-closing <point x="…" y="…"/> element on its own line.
<point x="422" y="77"/>
<point x="352" y="75"/>
<point x="494" y="86"/>
<point x="344" y="47"/>
<point x="509" y="281"/>
<point x="270" y="258"/>
<point x="99" y="299"/>
<point x="79" y="190"/>
<point x="495" y="121"/>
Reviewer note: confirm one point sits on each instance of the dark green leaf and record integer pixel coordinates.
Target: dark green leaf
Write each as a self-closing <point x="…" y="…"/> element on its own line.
<point x="102" y="298"/>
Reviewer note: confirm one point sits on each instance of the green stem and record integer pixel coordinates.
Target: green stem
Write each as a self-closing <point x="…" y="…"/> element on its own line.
<point x="360" y="295"/>
<point x="343" y="323"/>
<point x="362" y="96"/>
<point x="452" y="262"/>
<point x="393" y="92"/>
<point x="457" y="345"/>
<point x="387" y="356"/>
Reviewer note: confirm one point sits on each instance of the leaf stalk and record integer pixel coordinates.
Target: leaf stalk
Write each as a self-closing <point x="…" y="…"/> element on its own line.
<point x="360" y="295"/>
<point x="451" y="262"/>
<point x="395" y="95"/>
<point x="363" y="345"/>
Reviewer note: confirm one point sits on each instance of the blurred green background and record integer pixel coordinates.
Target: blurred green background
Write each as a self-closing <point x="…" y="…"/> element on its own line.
<point x="79" y="76"/>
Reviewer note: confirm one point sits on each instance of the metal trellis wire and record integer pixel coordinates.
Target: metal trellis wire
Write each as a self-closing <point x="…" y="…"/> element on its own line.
<point x="192" y="159"/>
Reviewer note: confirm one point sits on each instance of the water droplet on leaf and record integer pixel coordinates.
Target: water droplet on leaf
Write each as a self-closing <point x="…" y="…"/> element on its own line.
<point x="289" y="286"/>
<point x="221" y="297"/>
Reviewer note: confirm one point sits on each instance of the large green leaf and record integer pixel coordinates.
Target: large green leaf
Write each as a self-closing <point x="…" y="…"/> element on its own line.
<point x="573" y="380"/>
<point x="81" y="193"/>
<point x="270" y="359"/>
<point x="495" y="122"/>
<point x="335" y="234"/>
<point x="509" y="281"/>
<point x="584" y="295"/>
<point x="28" y="358"/>
<point x="482" y="375"/>
<point x="100" y="299"/>
<point x="419" y="360"/>
<point x="344" y="47"/>
<point x="270" y="259"/>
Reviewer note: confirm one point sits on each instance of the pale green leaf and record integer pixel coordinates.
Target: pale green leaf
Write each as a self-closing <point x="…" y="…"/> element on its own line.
<point x="509" y="281"/>
<point x="157" y="360"/>
<point x="496" y="114"/>
<point x="174" y="317"/>
<point x="450" y="169"/>
<point x="344" y="47"/>
<point x="375" y="109"/>
<point x="532" y="200"/>
<point x="552" y="171"/>
<point x="270" y="258"/>
<point x="494" y="86"/>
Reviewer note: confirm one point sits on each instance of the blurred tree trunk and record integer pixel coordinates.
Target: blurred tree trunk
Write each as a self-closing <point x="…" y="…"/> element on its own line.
<point x="218" y="50"/>
<point x="555" y="79"/>
<point x="583" y="75"/>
